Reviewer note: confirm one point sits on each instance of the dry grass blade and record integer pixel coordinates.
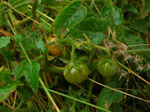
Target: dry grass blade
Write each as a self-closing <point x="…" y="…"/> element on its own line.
<point x="25" y="15"/>
<point x="130" y="71"/>
<point x="147" y="101"/>
<point x="7" y="105"/>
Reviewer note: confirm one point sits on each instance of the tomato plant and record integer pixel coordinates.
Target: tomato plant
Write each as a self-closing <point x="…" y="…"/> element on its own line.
<point x="80" y="33"/>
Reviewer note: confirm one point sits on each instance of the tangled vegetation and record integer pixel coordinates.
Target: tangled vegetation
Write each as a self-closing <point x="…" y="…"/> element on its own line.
<point x="74" y="55"/>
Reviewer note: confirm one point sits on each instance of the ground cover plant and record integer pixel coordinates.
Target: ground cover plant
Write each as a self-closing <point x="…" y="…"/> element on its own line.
<point x="74" y="56"/>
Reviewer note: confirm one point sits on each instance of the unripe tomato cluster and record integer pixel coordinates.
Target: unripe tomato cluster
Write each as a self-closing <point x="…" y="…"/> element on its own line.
<point x="76" y="73"/>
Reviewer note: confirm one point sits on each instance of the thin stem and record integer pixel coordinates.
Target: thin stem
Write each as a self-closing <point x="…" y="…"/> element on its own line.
<point x="25" y="53"/>
<point x="97" y="9"/>
<point x="78" y="100"/>
<point x="139" y="51"/>
<point x="28" y="59"/>
<point x="19" y="105"/>
<point x="49" y="95"/>
<point x="73" y="54"/>
<point x="43" y="14"/>
<point x="24" y="14"/>
<point x="7" y="105"/>
<point x="130" y="71"/>
<point x="96" y="46"/>
<point x="148" y="101"/>
<point x="11" y="27"/>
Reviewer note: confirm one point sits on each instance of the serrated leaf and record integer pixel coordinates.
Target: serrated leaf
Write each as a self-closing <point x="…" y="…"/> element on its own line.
<point x="4" y="41"/>
<point x="18" y="70"/>
<point x="107" y="96"/>
<point x="41" y="45"/>
<point x="31" y="72"/>
<point x="94" y="28"/>
<point x="69" y="16"/>
<point x="117" y="15"/>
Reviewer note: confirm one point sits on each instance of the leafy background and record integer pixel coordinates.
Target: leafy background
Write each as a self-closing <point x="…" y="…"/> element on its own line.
<point x="31" y="78"/>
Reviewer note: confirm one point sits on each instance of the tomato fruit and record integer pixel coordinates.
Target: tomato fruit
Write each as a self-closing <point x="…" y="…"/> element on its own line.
<point x="76" y="73"/>
<point x="107" y="67"/>
<point x="53" y="47"/>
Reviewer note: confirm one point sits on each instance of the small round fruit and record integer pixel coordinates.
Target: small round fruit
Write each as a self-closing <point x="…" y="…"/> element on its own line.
<point x="107" y="68"/>
<point x="53" y="47"/>
<point x="76" y="73"/>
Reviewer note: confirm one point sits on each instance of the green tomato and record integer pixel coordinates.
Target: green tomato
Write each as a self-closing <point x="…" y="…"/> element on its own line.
<point x="76" y="73"/>
<point x="107" y="67"/>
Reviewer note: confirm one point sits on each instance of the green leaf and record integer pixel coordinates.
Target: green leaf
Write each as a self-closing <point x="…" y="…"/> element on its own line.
<point x="94" y="28"/>
<point x="69" y="16"/>
<point x="106" y="11"/>
<point x="132" y="39"/>
<point x="30" y="37"/>
<point x="4" y="41"/>
<point x="3" y="13"/>
<point x="45" y="25"/>
<point x="117" y="15"/>
<point x="141" y="25"/>
<point x="116" y="108"/>
<point x="18" y="38"/>
<point x="107" y="96"/>
<point x="7" y="84"/>
<point x="31" y="72"/>
<point x="132" y="8"/>
<point x="2" y="18"/>
<point x="7" y="53"/>
<point x="5" y="91"/>
<point x="41" y="45"/>
<point x="18" y="70"/>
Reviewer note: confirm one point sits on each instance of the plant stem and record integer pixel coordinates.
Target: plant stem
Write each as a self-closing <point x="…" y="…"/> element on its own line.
<point x="139" y="51"/>
<point x="26" y="55"/>
<point x="130" y="71"/>
<point x="114" y="89"/>
<point x="24" y="14"/>
<point x="30" y="62"/>
<point x="19" y="105"/>
<point x="78" y="100"/>
<point x="49" y="95"/>
<point x="72" y="54"/>
<point x="43" y="14"/>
